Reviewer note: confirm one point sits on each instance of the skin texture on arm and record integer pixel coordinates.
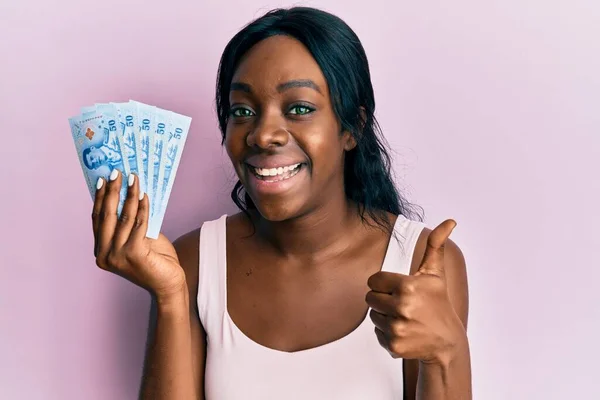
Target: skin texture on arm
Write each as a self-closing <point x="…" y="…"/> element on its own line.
<point x="430" y="378"/>
<point x="168" y="364"/>
<point x="176" y="339"/>
<point x="121" y="247"/>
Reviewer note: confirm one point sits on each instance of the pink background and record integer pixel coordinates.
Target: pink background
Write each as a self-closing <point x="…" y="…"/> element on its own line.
<point x="491" y="106"/>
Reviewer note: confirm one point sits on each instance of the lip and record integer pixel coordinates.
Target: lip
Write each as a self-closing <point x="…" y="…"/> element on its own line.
<point x="276" y="161"/>
<point x="263" y="187"/>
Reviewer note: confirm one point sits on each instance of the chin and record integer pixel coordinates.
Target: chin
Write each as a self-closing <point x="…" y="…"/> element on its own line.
<point x="278" y="200"/>
<point x="278" y="211"/>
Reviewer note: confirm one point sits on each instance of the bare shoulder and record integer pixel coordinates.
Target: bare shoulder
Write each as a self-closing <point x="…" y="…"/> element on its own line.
<point x="453" y="253"/>
<point x="188" y="248"/>
<point x="188" y="252"/>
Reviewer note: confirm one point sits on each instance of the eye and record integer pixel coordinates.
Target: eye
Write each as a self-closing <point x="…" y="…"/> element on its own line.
<point x="241" y="112"/>
<point x="301" y="110"/>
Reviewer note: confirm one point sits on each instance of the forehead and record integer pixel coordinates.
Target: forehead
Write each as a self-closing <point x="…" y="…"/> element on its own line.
<point x="276" y="60"/>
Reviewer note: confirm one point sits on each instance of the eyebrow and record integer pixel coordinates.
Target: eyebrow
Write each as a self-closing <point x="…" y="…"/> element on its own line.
<point x="307" y="83"/>
<point x="299" y="83"/>
<point x="241" y="87"/>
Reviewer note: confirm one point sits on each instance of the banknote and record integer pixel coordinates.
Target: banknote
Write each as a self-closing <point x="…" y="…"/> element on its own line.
<point x="111" y="120"/>
<point x="132" y="145"/>
<point x="163" y="126"/>
<point x="134" y="138"/>
<point x="171" y="156"/>
<point x="98" y="149"/>
<point x="163" y="123"/>
<point x="146" y="127"/>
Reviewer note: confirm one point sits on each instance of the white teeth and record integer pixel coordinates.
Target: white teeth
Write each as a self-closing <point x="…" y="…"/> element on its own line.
<point x="275" y="171"/>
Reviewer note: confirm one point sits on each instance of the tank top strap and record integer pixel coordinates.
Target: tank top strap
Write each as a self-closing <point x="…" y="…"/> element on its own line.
<point x="402" y="245"/>
<point x="212" y="271"/>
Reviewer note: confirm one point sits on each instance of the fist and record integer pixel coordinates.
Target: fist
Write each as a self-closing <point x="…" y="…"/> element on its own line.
<point x="413" y="315"/>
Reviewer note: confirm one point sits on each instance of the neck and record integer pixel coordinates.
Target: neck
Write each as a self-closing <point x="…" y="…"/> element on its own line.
<point x="315" y="235"/>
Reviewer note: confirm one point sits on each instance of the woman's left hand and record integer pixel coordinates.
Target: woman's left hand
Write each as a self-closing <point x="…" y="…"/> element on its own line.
<point x="413" y="315"/>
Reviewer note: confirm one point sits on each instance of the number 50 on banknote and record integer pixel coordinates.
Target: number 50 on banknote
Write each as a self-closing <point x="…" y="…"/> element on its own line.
<point x="134" y="138"/>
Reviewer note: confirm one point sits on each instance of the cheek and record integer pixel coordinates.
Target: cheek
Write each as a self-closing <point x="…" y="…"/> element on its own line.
<point x="233" y="144"/>
<point x="325" y="151"/>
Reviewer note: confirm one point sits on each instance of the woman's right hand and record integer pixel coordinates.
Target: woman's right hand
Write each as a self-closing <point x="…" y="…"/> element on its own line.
<point x="121" y="245"/>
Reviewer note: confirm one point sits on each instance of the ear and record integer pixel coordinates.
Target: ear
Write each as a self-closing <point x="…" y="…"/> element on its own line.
<point x="349" y="138"/>
<point x="349" y="141"/>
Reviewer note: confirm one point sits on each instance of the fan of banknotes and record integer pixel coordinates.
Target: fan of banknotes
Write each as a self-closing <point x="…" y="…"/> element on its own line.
<point x="134" y="138"/>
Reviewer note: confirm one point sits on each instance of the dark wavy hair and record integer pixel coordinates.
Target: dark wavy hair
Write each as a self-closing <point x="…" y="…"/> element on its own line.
<point x="342" y="59"/>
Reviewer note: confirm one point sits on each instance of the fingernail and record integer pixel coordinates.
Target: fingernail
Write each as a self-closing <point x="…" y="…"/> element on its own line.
<point x="130" y="180"/>
<point x="99" y="183"/>
<point x="141" y="195"/>
<point x="114" y="174"/>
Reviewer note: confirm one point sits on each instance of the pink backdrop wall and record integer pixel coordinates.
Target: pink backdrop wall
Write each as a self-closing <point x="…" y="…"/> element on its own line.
<point x="492" y="108"/>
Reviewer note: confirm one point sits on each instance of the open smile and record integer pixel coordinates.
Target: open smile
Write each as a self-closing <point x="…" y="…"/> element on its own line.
<point x="276" y="174"/>
<point x="274" y="180"/>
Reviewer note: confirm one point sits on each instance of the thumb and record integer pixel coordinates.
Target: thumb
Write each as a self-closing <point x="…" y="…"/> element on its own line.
<point x="433" y="259"/>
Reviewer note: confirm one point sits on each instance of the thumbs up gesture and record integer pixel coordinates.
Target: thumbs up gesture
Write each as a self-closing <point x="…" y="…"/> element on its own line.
<point x="413" y="315"/>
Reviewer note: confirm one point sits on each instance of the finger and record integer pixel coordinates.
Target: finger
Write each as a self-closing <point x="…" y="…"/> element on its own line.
<point x="383" y="303"/>
<point x="382" y="338"/>
<point x="394" y="346"/>
<point x="140" y="223"/>
<point x="385" y="282"/>
<point x="98" y="200"/>
<point x="433" y="259"/>
<point x="128" y="213"/>
<point x="108" y="214"/>
<point x="381" y="321"/>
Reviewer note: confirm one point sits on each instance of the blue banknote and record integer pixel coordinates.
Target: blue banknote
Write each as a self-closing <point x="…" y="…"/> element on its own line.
<point x="132" y="145"/>
<point x="163" y="126"/>
<point x="146" y="115"/>
<point x="98" y="149"/>
<point x="171" y="156"/>
<point x="111" y="118"/>
<point x="134" y="138"/>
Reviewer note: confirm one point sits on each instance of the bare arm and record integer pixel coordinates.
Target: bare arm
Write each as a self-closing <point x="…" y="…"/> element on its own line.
<point x="168" y="367"/>
<point x="176" y="341"/>
<point x="451" y="380"/>
<point x="175" y="356"/>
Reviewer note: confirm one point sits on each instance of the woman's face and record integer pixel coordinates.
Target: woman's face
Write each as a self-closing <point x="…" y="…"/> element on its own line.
<point x="282" y="135"/>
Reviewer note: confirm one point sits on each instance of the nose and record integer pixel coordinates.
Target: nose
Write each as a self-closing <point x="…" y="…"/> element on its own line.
<point x="270" y="131"/>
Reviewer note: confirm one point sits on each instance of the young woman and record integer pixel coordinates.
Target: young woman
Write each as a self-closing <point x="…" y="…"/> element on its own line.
<point x="322" y="287"/>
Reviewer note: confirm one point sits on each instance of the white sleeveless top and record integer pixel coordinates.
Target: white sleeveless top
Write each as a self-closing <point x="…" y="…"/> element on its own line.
<point x="237" y="368"/>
